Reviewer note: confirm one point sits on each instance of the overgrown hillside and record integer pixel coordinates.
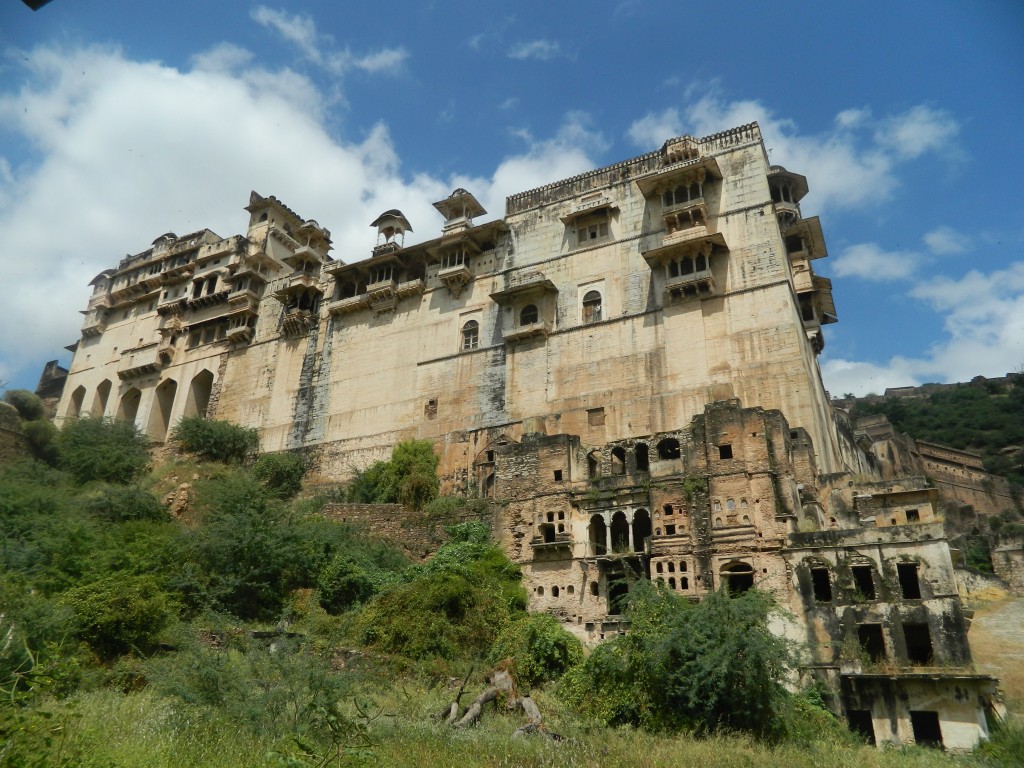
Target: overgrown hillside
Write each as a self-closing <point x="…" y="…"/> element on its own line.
<point x="248" y="630"/>
<point x="986" y="417"/>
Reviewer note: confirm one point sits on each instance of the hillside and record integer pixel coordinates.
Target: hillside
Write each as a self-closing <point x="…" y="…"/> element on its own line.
<point x="985" y="416"/>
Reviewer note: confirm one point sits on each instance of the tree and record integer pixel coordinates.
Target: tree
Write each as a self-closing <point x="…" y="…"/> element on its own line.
<point x="215" y="439"/>
<point x="96" y="449"/>
<point x="683" y="666"/>
<point x="409" y="478"/>
<point x="29" y="406"/>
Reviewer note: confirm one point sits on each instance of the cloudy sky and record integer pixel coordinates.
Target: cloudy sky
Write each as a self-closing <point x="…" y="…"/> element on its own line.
<point x="124" y="119"/>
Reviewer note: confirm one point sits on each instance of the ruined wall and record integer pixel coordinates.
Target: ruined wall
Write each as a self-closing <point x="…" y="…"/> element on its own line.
<point x="1008" y="561"/>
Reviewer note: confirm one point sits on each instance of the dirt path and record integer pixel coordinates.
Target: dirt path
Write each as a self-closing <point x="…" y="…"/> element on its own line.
<point x="997" y="642"/>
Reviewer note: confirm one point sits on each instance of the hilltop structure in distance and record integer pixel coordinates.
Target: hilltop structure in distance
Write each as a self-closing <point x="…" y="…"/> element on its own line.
<point x="627" y="360"/>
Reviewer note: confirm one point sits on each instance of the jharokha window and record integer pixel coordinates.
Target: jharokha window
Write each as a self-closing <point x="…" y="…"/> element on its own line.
<point x="529" y="315"/>
<point x="471" y="335"/>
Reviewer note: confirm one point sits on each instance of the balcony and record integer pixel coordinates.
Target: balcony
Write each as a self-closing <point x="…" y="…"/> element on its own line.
<point x="297" y="322"/>
<point x="552" y="542"/>
<point x="206" y="300"/>
<point x="684" y="233"/>
<point x="139" y="361"/>
<point x="349" y="304"/>
<point x="95" y="323"/>
<point x="241" y="334"/>
<point x="455" y="278"/>
<point x="695" y="285"/>
<point x="409" y="288"/>
<point x="246" y="298"/>
<point x="177" y="274"/>
<point x="541" y="329"/>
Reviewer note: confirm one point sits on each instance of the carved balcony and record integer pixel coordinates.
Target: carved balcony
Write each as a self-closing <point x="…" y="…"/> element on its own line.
<point x="455" y="277"/>
<point x="95" y="323"/>
<point x="240" y="334"/>
<point x="139" y="361"/>
<point x="540" y="329"/>
<point x="349" y="304"/>
<point x="696" y="285"/>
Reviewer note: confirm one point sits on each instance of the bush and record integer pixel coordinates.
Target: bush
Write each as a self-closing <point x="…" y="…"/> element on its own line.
<point x="342" y="584"/>
<point x="42" y="440"/>
<point x="453" y="607"/>
<point x="118" y="504"/>
<point x="30" y="407"/>
<point x="280" y="472"/>
<point x="409" y="478"/>
<point x="215" y="440"/>
<point x="119" y="613"/>
<point x="682" y="666"/>
<point x="95" y="449"/>
<point x="539" y="648"/>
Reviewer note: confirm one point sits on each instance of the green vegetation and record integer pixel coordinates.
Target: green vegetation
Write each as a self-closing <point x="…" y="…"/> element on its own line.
<point x="253" y="632"/>
<point x="215" y="440"/>
<point x="409" y="477"/>
<point x="985" y="417"/>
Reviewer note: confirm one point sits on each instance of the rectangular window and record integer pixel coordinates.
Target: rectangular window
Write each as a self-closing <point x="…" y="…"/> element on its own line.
<point x="595" y="417"/>
<point x="872" y="641"/>
<point x="913" y="516"/>
<point x="725" y="451"/>
<point x="910" y="585"/>
<point x="822" y="585"/>
<point x="591" y="229"/>
<point x="558" y="475"/>
<point x="919" y="643"/>
<point x="863" y="582"/>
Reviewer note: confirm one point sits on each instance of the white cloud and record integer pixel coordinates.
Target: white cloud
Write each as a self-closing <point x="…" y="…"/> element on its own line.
<point x="301" y="31"/>
<point x="946" y="241"/>
<point x="854" y="162"/>
<point x="542" y="50"/>
<point x="868" y="261"/>
<point x="984" y="335"/>
<point x="652" y="130"/>
<point x="132" y="149"/>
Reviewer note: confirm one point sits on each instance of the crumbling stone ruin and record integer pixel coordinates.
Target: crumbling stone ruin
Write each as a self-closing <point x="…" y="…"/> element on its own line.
<point x="627" y="361"/>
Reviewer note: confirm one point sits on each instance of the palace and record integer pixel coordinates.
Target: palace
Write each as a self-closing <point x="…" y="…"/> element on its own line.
<point x="627" y="360"/>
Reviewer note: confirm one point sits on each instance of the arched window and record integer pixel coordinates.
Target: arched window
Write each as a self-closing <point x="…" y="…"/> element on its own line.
<point x="471" y="335"/>
<point x="737" y="577"/>
<point x="591" y="307"/>
<point x="668" y="448"/>
<point x="618" y="461"/>
<point x="641" y="529"/>
<point x="554" y="591"/>
<point x="529" y="315"/>
<point x="593" y="465"/>
<point x="598" y="535"/>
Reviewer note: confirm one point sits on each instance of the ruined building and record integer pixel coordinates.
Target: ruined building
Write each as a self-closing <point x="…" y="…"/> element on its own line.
<point x="627" y="360"/>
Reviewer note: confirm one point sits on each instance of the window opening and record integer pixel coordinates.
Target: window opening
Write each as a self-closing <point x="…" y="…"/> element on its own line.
<point x="670" y="530"/>
<point x="620" y="532"/>
<point x="595" y="590"/>
<point x="554" y="591"/>
<point x="872" y="641"/>
<point x="558" y="475"/>
<point x="618" y="461"/>
<point x="598" y="535"/>
<point x="863" y="581"/>
<point x="668" y="448"/>
<point x="529" y="315"/>
<point x="822" y="585"/>
<point x="593" y="465"/>
<point x="642" y="462"/>
<point x="738" y="578"/>
<point x="591" y="307"/>
<point x="641" y="529"/>
<point x="910" y="584"/>
<point x="471" y="335"/>
<point x="725" y="451"/>
<point x="618" y="591"/>
<point x="913" y="516"/>
<point x="595" y="417"/>
<point x="919" y="643"/>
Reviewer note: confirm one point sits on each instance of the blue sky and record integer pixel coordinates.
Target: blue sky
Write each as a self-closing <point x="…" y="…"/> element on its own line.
<point x="124" y="119"/>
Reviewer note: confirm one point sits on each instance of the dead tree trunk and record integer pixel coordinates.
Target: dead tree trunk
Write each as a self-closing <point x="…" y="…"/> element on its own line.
<point x="500" y="683"/>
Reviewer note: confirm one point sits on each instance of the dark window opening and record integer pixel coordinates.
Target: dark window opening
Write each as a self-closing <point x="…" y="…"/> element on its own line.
<point x="618" y="461"/>
<point x="641" y="529"/>
<point x="593" y="465"/>
<point x="860" y="723"/>
<point x="558" y="475"/>
<point x="668" y="448"/>
<point x="529" y="315"/>
<point x="863" y="581"/>
<point x="738" y="578"/>
<point x="554" y="591"/>
<point x="910" y="585"/>
<point x="670" y="530"/>
<point x="671" y="583"/>
<point x="927" y="731"/>
<point x="913" y="516"/>
<point x="668" y="509"/>
<point x="618" y="592"/>
<point x="684" y="583"/>
<point x="595" y="590"/>
<point x="872" y="641"/>
<point x="642" y="462"/>
<point x="919" y="643"/>
<point x="822" y="585"/>
<point x="725" y="451"/>
<point x="598" y="536"/>
<point x="620" y="533"/>
<point x="547" y="532"/>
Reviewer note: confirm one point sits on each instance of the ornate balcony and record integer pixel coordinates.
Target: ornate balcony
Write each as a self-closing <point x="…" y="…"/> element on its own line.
<point x="349" y="304"/>
<point x="455" y="277"/>
<point x="241" y="334"/>
<point x="541" y="328"/>
<point x="695" y="285"/>
<point x="297" y="322"/>
<point x="139" y="361"/>
<point x="95" y="322"/>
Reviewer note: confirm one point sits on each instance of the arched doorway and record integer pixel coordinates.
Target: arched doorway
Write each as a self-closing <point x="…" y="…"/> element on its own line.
<point x="199" y="395"/>
<point x="75" y="405"/>
<point x="128" y="408"/>
<point x="620" y="532"/>
<point x="160" y="412"/>
<point x="641" y="529"/>
<point x="99" y="403"/>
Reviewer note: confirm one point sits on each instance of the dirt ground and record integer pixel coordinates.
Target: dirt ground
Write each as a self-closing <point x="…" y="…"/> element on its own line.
<point x="997" y="643"/>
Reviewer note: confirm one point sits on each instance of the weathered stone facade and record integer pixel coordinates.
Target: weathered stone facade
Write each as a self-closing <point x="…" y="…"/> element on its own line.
<point x="627" y="361"/>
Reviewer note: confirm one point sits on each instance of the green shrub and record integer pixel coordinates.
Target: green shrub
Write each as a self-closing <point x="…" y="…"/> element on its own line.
<point x="95" y="449"/>
<point x="30" y="407"/>
<point x="42" y="440"/>
<point x="342" y="584"/>
<point x="700" y="667"/>
<point x="118" y="504"/>
<point x="409" y="478"/>
<point x="280" y="472"/>
<point x="120" y="613"/>
<point x="539" y="648"/>
<point x="215" y="440"/>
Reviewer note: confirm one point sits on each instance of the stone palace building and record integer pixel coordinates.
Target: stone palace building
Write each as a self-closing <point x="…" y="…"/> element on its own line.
<point x="626" y="360"/>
